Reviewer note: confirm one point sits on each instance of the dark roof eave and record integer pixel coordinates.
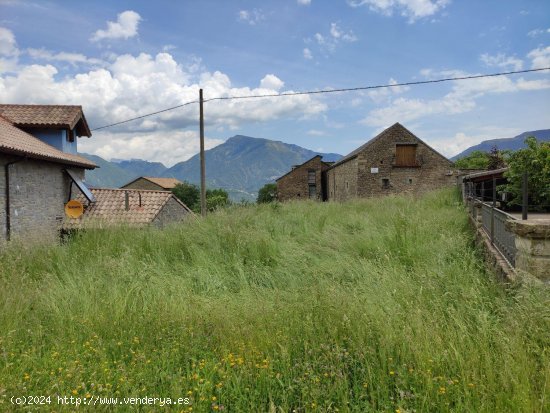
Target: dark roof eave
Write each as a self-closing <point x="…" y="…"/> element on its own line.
<point x="10" y="151"/>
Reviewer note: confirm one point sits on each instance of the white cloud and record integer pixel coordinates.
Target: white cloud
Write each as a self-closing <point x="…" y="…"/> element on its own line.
<point x="413" y="9"/>
<point x="540" y="57"/>
<point x="453" y="145"/>
<point x="462" y="98"/>
<point x="8" y="45"/>
<point x="379" y="95"/>
<point x="501" y="60"/>
<point x="125" y="27"/>
<point x="157" y="146"/>
<point x="537" y="32"/>
<point x="251" y="17"/>
<point x="337" y="33"/>
<point x="330" y="41"/>
<point x="307" y="54"/>
<point x="304" y="2"/>
<point x="8" y="51"/>
<point x="316" y="132"/>
<point x="271" y="82"/>
<point x="128" y="86"/>
<point x="72" y="58"/>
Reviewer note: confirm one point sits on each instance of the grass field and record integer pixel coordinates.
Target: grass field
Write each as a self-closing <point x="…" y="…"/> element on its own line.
<point x="374" y="305"/>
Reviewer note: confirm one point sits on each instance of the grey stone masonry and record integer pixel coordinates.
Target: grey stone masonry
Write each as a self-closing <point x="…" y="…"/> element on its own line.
<point x="296" y="184"/>
<point x="170" y="213"/>
<point x="394" y="162"/>
<point x="38" y="193"/>
<point x="532" y="239"/>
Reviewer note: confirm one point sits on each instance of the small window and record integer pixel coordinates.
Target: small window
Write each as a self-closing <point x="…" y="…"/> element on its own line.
<point x="410" y="181"/>
<point x="347" y="184"/>
<point x="385" y="183"/>
<point x="311" y="177"/>
<point x="382" y="162"/>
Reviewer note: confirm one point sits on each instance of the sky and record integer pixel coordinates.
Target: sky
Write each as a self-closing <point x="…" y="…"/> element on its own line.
<point x="122" y="59"/>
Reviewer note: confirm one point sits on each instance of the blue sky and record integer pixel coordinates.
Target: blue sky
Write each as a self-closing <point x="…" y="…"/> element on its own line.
<point x="121" y="59"/>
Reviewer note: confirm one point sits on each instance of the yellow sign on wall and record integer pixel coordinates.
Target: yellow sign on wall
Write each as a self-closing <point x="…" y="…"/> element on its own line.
<point x="74" y="208"/>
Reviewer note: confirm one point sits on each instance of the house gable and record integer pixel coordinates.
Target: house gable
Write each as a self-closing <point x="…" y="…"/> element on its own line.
<point x="304" y="181"/>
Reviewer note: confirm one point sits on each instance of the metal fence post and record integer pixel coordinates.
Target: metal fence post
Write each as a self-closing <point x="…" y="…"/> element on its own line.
<point x="525" y="196"/>
<point x="493" y="210"/>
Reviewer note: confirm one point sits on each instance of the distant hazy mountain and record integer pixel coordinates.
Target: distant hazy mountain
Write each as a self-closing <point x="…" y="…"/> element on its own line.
<point x="139" y="167"/>
<point x="108" y="175"/>
<point x="243" y="164"/>
<point x="514" y="143"/>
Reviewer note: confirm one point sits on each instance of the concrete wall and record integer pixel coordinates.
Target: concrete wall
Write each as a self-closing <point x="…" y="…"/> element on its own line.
<point x="170" y="213"/>
<point x="38" y="193"/>
<point x="342" y="181"/>
<point x="144" y="184"/>
<point x="294" y="185"/>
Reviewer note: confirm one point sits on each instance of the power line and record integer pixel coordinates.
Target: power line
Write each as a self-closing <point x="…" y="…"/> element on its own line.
<point x="316" y="92"/>
<point x="146" y="115"/>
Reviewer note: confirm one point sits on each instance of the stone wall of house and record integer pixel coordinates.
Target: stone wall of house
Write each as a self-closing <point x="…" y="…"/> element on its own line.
<point x="294" y="185"/>
<point x="378" y="173"/>
<point x="142" y="183"/>
<point x="172" y="212"/>
<point x="38" y="193"/>
<point x="342" y="181"/>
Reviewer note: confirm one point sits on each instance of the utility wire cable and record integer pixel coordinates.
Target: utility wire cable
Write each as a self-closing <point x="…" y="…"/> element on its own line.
<point x="146" y="115"/>
<point x="316" y="92"/>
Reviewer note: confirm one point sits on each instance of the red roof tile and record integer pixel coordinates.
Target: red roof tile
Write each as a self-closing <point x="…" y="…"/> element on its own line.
<point x="17" y="142"/>
<point x="110" y="207"/>
<point x="59" y="116"/>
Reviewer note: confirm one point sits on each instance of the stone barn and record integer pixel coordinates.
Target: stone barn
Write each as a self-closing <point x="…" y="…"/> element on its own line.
<point x="394" y="162"/>
<point x="305" y="181"/>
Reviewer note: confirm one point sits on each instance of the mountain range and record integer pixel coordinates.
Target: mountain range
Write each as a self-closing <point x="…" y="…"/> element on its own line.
<point x="515" y="143"/>
<point x="241" y="165"/>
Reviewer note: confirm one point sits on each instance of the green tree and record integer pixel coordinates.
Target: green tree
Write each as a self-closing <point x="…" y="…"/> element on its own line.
<point x="496" y="159"/>
<point x="189" y="194"/>
<point x="267" y="193"/>
<point x="535" y="160"/>
<point x="216" y="198"/>
<point x="474" y="160"/>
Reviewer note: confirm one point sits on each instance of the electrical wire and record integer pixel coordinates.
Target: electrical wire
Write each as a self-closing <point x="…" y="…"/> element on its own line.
<point x="323" y="91"/>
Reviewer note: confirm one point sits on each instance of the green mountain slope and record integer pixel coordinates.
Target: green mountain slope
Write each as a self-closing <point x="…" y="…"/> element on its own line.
<point x="244" y="164"/>
<point x="108" y="175"/>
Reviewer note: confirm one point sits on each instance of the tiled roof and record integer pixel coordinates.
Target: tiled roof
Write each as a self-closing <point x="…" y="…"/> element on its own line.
<point x="60" y="116"/>
<point x="166" y="183"/>
<point x="17" y="142"/>
<point x="110" y="207"/>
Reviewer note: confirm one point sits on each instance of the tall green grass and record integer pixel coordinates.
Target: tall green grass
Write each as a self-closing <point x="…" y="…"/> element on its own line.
<point x="370" y="305"/>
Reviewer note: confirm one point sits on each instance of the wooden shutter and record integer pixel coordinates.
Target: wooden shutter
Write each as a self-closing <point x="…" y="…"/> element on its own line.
<point x="405" y="155"/>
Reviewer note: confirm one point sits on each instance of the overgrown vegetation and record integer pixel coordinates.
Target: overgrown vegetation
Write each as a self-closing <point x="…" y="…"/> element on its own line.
<point x="190" y="195"/>
<point x="494" y="159"/>
<point x="372" y="305"/>
<point x="267" y="193"/>
<point x="535" y="160"/>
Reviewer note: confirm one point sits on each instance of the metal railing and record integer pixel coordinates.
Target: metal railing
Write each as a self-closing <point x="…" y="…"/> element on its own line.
<point x="493" y="222"/>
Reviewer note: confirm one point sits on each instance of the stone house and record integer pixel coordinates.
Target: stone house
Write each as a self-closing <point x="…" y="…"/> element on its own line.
<point x="40" y="169"/>
<point x="305" y="181"/>
<point x="394" y="162"/>
<point x="152" y="183"/>
<point x="133" y="207"/>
